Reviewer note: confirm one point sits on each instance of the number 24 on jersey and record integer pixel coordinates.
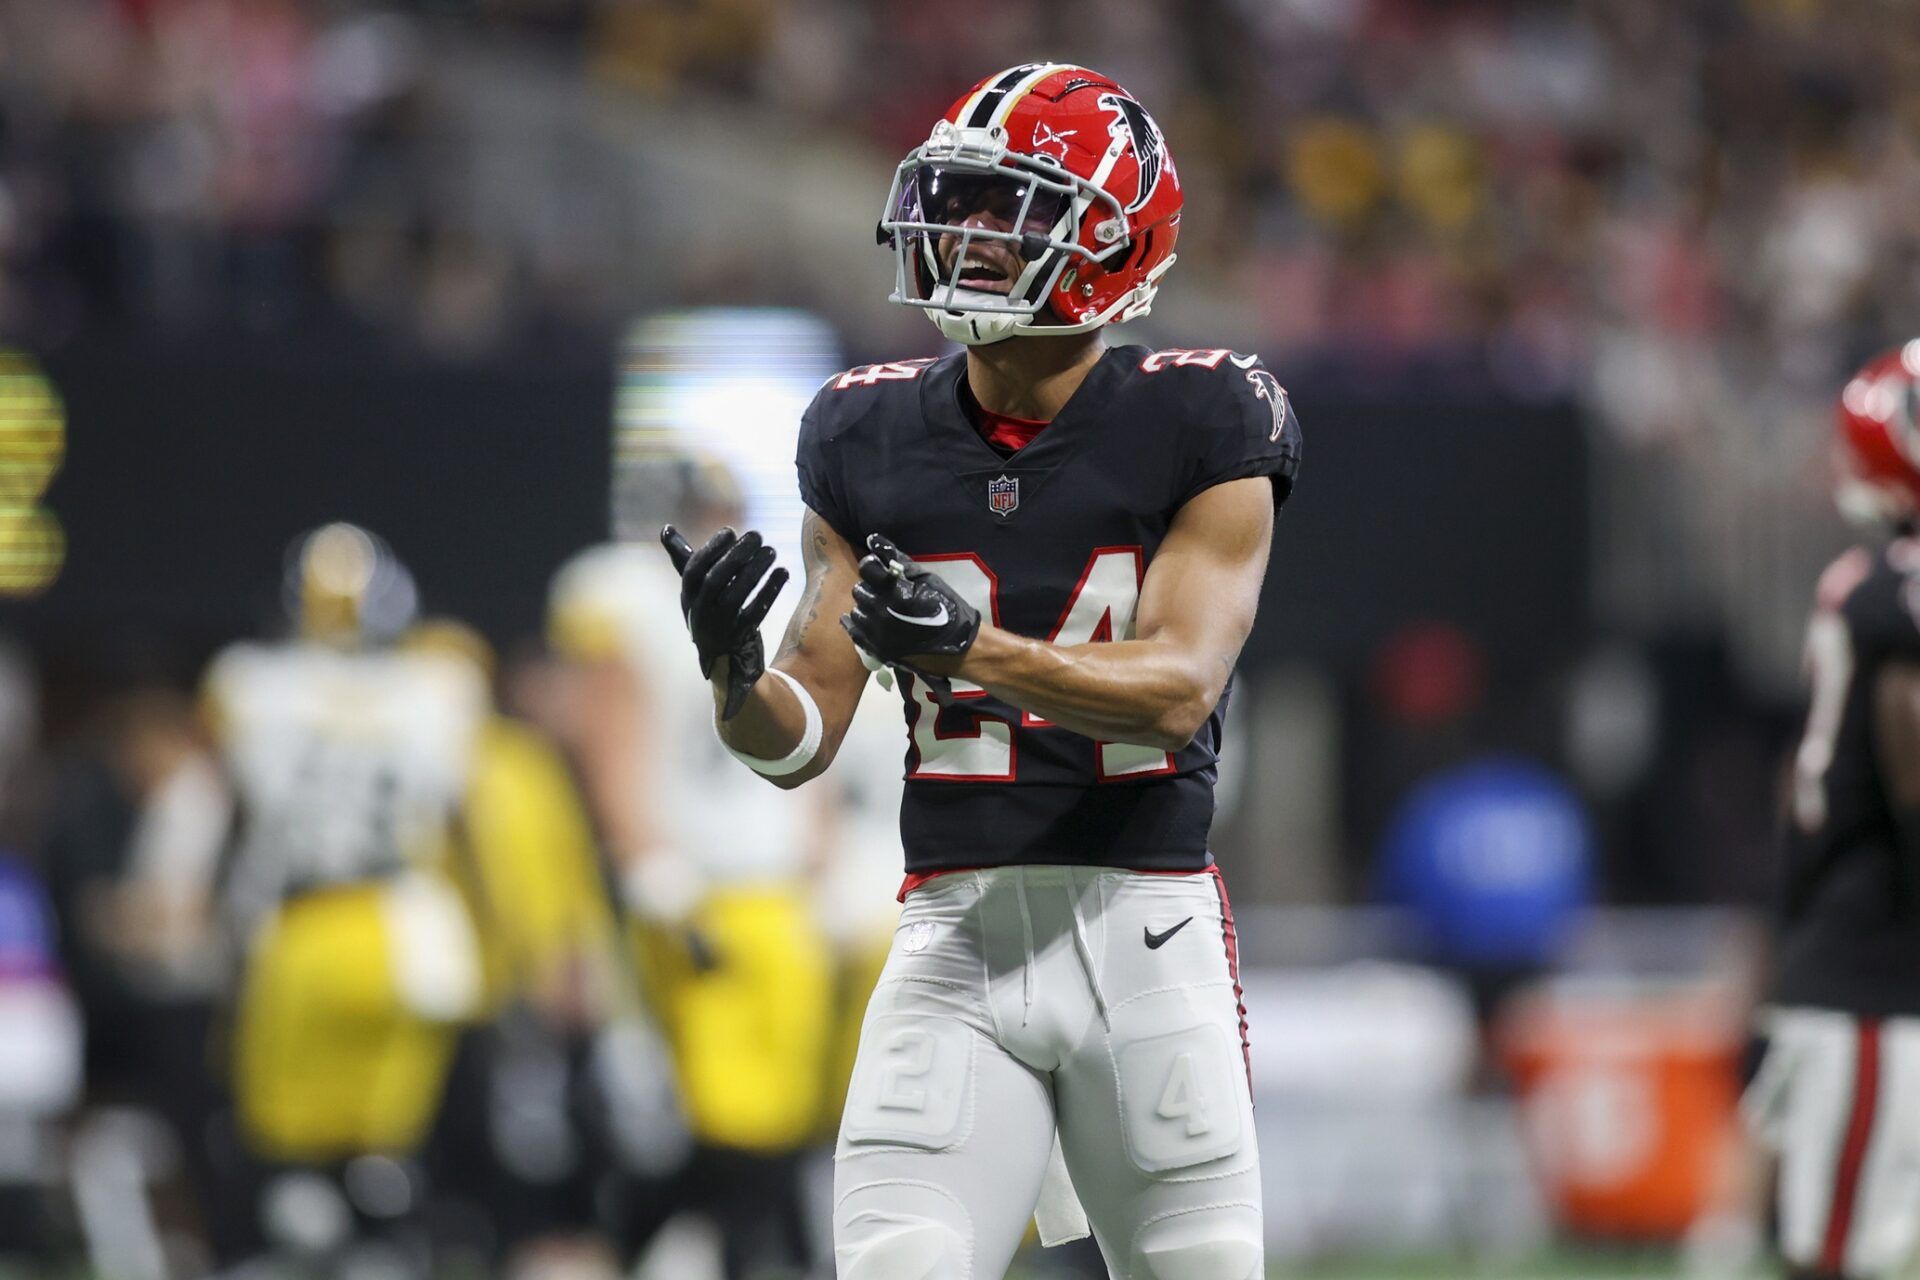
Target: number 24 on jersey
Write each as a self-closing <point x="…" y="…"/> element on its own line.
<point x="1101" y="608"/>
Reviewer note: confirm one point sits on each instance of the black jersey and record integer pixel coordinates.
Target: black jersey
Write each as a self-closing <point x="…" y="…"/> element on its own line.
<point x="1051" y="542"/>
<point x="1850" y="938"/>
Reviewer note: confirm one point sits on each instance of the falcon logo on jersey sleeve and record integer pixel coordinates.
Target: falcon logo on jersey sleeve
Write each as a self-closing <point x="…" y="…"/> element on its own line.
<point x="1268" y="388"/>
<point x="1003" y="495"/>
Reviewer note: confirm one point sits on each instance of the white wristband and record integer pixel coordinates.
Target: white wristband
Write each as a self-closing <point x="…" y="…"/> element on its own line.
<point x="798" y="758"/>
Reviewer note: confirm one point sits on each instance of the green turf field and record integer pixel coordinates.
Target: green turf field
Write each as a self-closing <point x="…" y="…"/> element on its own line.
<point x="1572" y="1265"/>
<point x="1559" y="1266"/>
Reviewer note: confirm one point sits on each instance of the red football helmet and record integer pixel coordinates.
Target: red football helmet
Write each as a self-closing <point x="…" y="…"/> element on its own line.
<point x="1878" y="421"/>
<point x="1045" y="201"/>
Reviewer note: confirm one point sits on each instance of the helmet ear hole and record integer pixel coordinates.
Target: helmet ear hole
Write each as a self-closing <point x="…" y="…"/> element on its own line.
<point x="1142" y="247"/>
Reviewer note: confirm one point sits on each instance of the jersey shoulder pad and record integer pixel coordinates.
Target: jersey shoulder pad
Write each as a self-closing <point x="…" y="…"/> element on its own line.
<point x="605" y="574"/>
<point x="853" y="395"/>
<point x="226" y="684"/>
<point x="875" y="394"/>
<point x="1839" y="580"/>
<point x="1879" y="595"/>
<point x="1210" y="358"/>
<point x="440" y="676"/>
<point x="605" y="595"/>
<point x="1238" y="418"/>
<point x="875" y="375"/>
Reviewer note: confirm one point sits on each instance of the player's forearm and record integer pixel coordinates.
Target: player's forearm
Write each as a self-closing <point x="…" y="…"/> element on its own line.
<point x="1149" y="692"/>
<point x="769" y="726"/>
<point x="611" y="739"/>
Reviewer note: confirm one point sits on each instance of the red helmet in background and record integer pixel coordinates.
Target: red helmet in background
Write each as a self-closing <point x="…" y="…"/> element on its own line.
<point x="1878" y="423"/>
<point x="1067" y="172"/>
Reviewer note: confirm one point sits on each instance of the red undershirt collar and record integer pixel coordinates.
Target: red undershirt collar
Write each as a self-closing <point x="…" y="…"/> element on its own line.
<point x="1004" y="432"/>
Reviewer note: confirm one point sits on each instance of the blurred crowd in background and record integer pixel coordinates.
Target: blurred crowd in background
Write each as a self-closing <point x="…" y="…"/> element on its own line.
<point x="1660" y="232"/>
<point x="1692" y="218"/>
<point x="1546" y="194"/>
<point x="1661" y="201"/>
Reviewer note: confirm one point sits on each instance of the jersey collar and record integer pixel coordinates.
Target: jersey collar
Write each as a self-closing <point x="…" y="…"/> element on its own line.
<point x="960" y="443"/>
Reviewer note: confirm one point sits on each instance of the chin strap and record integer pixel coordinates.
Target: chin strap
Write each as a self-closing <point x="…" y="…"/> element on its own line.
<point x="978" y="330"/>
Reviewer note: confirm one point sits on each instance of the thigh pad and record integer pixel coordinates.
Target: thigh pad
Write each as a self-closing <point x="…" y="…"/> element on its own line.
<point x="1184" y="1100"/>
<point x="912" y="1084"/>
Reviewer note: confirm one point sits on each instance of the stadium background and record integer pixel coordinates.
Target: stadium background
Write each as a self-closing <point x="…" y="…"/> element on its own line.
<point x="1562" y="292"/>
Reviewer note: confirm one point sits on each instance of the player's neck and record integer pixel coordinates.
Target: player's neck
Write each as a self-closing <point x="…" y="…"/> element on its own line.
<point x="1031" y="377"/>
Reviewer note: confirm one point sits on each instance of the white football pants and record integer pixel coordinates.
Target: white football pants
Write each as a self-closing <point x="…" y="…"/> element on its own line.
<point x="1020" y="998"/>
<point x="1837" y="1097"/>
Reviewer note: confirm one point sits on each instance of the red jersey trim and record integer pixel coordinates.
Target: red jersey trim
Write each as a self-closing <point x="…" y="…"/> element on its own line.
<point x="915" y="879"/>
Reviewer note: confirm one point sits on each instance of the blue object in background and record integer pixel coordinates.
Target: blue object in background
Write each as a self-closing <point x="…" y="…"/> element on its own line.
<point x="1494" y="860"/>
<point x="27" y="942"/>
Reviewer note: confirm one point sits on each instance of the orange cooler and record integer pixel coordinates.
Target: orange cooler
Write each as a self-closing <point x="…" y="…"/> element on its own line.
<point x="1628" y="1096"/>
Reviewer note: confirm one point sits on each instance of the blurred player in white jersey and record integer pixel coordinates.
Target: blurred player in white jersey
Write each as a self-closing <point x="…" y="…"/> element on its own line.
<point x="527" y="1133"/>
<point x="859" y="872"/>
<point x="350" y="896"/>
<point x="714" y="869"/>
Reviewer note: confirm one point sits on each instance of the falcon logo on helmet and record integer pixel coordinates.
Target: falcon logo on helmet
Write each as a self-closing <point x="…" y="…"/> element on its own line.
<point x="1034" y="208"/>
<point x="1137" y="127"/>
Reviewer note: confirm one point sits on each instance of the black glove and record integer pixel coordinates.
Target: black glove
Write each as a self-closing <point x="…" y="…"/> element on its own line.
<point x="902" y="609"/>
<point x="718" y="600"/>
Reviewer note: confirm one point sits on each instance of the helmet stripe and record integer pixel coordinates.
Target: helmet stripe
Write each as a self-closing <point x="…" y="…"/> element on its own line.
<point x="980" y="111"/>
<point x="1040" y="71"/>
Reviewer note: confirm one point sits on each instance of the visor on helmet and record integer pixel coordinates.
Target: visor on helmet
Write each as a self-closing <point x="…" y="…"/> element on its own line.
<point x="1000" y="200"/>
<point x="979" y="232"/>
<point x="982" y="237"/>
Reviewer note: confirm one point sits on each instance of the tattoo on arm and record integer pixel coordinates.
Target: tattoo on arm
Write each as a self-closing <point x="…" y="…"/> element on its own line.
<point x="814" y="551"/>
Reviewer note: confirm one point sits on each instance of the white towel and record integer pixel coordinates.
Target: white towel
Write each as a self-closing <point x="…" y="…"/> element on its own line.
<point x="1059" y="1214"/>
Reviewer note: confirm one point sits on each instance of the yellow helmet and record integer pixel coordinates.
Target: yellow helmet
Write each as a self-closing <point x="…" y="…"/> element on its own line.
<point x="345" y="586"/>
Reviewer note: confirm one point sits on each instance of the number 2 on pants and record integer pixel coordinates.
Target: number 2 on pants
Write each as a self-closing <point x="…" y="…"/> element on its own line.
<point x="909" y="1058"/>
<point x="1102" y="607"/>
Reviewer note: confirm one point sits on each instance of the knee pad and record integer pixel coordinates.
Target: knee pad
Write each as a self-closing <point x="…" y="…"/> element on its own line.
<point x="1220" y="1242"/>
<point x="900" y="1231"/>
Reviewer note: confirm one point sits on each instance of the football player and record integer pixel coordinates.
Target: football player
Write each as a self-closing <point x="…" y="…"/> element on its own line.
<point x="351" y="893"/>
<point x="713" y="873"/>
<point x="1056" y="548"/>
<point x="1837" y="1093"/>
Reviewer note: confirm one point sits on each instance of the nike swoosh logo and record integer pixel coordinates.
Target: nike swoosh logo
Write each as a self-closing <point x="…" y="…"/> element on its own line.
<point x="1157" y="940"/>
<point x="1244" y="362"/>
<point x="937" y="620"/>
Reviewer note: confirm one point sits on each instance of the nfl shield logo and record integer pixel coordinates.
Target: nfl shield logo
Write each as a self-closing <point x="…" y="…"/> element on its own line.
<point x="1003" y="495"/>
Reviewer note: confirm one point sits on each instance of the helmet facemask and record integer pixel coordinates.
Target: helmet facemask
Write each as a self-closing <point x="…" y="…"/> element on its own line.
<point x="963" y="171"/>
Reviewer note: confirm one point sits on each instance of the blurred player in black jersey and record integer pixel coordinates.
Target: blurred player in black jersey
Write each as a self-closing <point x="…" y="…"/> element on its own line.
<point x="1056" y="547"/>
<point x="1838" y="1091"/>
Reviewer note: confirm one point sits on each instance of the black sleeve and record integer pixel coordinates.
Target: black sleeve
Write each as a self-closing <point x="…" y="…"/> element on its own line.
<point x="1249" y="429"/>
<point x="821" y="486"/>
<point x="1883" y="614"/>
